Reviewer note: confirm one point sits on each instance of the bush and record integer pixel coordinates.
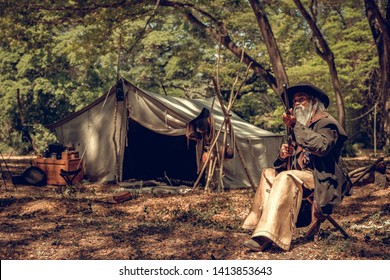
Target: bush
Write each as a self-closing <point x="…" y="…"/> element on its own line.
<point x="42" y="137"/>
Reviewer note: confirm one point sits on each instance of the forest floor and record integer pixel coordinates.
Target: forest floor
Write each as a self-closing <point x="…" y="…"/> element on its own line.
<point x="84" y="222"/>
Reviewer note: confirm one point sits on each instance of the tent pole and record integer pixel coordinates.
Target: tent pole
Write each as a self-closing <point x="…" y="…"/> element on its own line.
<point x="116" y="144"/>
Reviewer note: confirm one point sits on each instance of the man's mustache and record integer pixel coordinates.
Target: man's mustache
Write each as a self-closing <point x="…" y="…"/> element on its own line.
<point x="299" y="107"/>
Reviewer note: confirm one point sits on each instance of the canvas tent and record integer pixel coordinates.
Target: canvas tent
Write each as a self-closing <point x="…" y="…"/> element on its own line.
<point x="145" y="135"/>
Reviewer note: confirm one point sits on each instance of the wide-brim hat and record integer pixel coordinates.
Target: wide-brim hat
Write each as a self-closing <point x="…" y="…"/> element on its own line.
<point x="309" y="89"/>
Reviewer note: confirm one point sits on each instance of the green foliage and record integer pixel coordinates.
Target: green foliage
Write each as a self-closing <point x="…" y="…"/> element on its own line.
<point x="42" y="137"/>
<point x="260" y="110"/>
<point x="62" y="58"/>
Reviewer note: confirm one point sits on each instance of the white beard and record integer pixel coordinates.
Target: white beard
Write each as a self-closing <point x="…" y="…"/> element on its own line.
<point x="303" y="114"/>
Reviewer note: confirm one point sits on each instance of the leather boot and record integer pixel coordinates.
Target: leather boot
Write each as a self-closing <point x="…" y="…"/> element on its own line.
<point x="258" y="244"/>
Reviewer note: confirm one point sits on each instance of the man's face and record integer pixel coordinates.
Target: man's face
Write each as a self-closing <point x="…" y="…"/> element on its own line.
<point x="301" y="99"/>
<point x="302" y="107"/>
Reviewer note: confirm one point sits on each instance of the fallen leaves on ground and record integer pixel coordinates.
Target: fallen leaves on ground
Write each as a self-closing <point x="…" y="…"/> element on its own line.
<point x="84" y="222"/>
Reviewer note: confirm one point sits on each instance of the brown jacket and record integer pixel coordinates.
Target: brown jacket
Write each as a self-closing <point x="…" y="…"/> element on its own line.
<point x="323" y="138"/>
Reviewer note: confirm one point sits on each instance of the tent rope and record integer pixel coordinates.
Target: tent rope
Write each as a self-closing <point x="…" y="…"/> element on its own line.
<point x="366" y="113"/>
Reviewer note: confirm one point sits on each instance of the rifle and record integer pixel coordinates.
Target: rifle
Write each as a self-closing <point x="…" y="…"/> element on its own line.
<point x="288" y="129"/>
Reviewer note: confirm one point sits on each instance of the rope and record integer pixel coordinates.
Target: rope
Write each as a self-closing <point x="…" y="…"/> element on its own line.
<point x="366" y="113"/>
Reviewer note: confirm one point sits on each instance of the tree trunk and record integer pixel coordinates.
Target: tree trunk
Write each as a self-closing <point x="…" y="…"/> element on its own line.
<point x="25" y="129"/>
<point x="380" y="29"/>
<point x="323" y="50"/>
<point x="337" y="89"/>
<point x="272" y="46"/>
<point x="386" y="93"/>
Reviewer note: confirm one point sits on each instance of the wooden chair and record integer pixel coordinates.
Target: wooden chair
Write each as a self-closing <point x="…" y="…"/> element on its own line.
<point x="319" y="218"/>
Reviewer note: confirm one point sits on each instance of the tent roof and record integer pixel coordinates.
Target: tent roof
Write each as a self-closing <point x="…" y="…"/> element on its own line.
<point x="189" y="109"/>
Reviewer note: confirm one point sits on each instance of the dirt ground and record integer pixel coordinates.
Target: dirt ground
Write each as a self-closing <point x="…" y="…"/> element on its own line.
<point x="84" y="222"/>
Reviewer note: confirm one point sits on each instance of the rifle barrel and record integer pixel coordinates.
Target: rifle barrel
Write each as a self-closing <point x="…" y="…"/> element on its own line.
<point x="288" y="129"/>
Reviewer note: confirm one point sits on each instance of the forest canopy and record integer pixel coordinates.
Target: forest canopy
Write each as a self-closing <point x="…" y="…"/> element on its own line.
<point x="58" y="56"/>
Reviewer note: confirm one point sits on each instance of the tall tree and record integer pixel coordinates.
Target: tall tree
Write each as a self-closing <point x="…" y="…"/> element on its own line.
<point x="379" y="21"/>
<point x="271" y="44"/>
<point x="323" y="50"/>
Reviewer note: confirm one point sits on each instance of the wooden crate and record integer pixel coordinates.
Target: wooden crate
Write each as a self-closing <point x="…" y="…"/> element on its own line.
<point x="52" y="168"/>
<point x="69" y="155"/>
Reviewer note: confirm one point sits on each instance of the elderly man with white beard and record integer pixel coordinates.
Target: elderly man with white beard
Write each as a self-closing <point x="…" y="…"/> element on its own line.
<point x="316" y="165"/>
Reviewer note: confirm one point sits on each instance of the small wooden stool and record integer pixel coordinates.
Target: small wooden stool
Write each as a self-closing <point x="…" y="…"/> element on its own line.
<point x="320" y="218"/>
<point x="69" y="175"/>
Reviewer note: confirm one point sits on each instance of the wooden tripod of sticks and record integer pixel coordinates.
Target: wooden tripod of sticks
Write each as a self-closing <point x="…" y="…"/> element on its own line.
<point x="211" y="159"/>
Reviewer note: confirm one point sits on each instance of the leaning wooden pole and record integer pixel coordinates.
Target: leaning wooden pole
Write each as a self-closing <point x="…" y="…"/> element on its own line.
<point x="227" y="121"/>
<point x="218" y="93"/>
<point x="221" y="152"/>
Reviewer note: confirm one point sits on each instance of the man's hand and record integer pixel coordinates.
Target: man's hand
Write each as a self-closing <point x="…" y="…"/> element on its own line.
<point x="286" y="151"/>
<point x="289" y="119"/>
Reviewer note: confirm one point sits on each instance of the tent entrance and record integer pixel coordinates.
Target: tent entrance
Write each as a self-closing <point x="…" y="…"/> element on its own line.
<point x="152" y="156"/>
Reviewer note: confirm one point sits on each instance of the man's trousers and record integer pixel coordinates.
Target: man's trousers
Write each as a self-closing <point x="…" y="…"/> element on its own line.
<point x="276" y="205"/>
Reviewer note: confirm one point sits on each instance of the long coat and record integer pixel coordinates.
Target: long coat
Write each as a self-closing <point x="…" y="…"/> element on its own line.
<point x="323" y="139"/>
